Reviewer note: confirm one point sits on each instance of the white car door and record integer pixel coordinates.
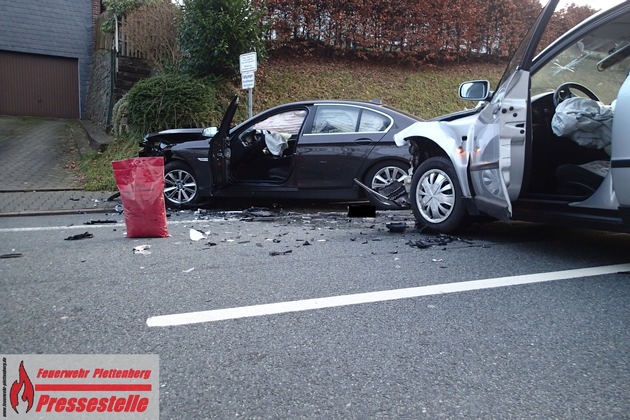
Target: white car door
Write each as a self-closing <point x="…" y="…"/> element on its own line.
<point x="620" y="152"/>
<point x="496" y="141"/>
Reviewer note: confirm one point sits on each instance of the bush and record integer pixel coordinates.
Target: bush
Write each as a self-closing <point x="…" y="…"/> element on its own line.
<point x="214" y="33"/>
<point x="170" y="101"/>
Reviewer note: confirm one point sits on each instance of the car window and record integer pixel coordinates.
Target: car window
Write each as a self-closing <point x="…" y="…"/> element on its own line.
<point x="348" y="119"/>
<point x="286" y="122"/>
<point x="373" y="121"/>
<point x="335" y="119"/>
<point x="599" y="60"/>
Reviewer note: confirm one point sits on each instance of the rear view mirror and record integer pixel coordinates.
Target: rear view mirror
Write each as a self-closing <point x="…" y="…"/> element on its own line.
<point x="476" y="90"/>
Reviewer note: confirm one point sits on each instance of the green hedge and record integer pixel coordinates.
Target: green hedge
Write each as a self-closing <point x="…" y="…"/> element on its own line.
<point x="171" y="101"/>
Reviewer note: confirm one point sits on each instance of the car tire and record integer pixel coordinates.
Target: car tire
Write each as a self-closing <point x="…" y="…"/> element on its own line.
<point x="436" y="196"/>
<point x="180" y="185"/>
<point x="383" y="174"/>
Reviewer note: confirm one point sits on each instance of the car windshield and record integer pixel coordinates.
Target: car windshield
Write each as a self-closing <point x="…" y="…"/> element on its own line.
<point x="600" y="61"/>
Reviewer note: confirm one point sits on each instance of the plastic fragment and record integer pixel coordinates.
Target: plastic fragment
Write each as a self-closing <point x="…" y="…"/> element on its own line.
<point x="197" y="235"/>
<point x="189" y="270"/>
<point x="142" y="249"/>
<point x="276" y="253"/>
<point x="13" y="255"/>
<point x="85" y="235"/>
<point x="99" y="222"/>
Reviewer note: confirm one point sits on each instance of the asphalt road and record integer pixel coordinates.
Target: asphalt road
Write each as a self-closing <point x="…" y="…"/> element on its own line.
<point x="549" y="347"/>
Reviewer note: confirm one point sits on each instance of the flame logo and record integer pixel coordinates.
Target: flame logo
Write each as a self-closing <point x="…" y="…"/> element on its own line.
<point x="28" y="393"/>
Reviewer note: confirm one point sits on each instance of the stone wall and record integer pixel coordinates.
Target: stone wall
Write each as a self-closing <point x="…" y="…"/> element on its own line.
<point x="98" y="108"/>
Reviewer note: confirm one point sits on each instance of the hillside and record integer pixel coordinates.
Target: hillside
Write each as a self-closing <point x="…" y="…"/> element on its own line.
<point x="425" y="92"/>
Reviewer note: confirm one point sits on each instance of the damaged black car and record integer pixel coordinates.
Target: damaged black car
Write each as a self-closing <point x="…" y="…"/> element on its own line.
<point x="304" y="150"/>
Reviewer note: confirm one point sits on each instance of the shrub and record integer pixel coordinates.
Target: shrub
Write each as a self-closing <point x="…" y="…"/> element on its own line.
<point x="170" y="101"/>
<point x="120" y="116"/>
<point x="214" y="33"/>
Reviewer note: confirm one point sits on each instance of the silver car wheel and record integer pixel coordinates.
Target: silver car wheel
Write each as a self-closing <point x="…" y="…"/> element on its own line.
<point x="386" y="176"/>
<point x="180" y="187"/>
<point x="435" y="196"/>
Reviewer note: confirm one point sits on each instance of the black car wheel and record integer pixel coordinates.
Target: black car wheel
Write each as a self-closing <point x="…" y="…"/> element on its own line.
<point x="436" y="197"/>
<point x="180" y="185"/>
<point x="384" y="174"/>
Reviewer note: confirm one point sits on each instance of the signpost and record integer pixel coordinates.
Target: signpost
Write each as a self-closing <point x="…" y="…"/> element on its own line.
<point x="248" y="64"/>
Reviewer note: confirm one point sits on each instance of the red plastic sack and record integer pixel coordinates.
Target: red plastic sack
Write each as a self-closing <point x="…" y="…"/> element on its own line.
<point x="141" y="185"/>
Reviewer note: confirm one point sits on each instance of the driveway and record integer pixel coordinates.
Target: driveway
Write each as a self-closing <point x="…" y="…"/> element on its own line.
<point x="38" y="154"/>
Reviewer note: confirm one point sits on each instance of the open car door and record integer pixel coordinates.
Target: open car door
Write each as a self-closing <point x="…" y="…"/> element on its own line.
<point x="620" y="163"/>
<point x="496" y="141"/>
<point x="219" y="152"/>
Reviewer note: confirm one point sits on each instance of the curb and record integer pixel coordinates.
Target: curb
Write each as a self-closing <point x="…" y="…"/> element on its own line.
<point x="56" y="212"/>
<point x="99" y="140"/>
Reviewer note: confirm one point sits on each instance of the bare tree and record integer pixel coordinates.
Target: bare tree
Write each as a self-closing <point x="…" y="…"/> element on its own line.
<point x="152" y="30"/>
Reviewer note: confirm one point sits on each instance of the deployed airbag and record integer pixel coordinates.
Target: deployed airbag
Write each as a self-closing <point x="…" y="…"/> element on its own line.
<point x="585" y="121"/>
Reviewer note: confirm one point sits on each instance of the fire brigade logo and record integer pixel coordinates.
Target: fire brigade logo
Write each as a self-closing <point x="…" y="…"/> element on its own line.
<point x="22" y="389"/>
<point x="57" y="386"/>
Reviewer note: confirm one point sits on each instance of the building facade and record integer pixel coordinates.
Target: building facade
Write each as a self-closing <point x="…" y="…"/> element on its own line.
<point x="45" y="56"/>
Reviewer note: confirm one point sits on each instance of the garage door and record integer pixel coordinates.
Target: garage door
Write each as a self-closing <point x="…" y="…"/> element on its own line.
<point x="39" y="85"/>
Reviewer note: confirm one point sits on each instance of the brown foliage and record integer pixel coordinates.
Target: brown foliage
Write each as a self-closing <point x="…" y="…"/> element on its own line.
<point x="407" y="31"/>
<point x="151" y="29"/>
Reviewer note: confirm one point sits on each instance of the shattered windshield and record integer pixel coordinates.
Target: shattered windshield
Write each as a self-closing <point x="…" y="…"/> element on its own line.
<point x="600" y="61"/>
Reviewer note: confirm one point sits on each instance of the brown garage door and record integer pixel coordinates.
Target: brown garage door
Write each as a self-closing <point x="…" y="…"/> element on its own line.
<point x="39" y="85"/>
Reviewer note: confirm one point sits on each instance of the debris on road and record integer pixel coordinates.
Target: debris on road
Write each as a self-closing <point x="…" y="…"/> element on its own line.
<point x="197" y="235"/>
<point x="85" y="235"/>
<point x="13" y="255"/>
<point x="276" y="253"/>
<point x="142" y="249"/>
<point x="396" y="227"/>
<point x="99" y="222"/>
<point x="189" y="270"/>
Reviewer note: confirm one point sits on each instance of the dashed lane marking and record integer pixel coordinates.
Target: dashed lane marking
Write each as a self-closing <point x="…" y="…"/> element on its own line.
<point x="371" y="297"/>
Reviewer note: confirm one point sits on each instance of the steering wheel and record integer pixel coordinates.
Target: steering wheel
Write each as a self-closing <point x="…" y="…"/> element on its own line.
<point x="563" y="92"/>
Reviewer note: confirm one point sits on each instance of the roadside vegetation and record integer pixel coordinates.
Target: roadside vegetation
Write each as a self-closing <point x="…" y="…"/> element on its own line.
<point x="424" y="92"/>
<point x="306" y="50"/>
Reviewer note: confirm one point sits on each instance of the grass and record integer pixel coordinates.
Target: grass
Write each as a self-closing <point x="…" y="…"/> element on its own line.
<point x="425" y="92"/>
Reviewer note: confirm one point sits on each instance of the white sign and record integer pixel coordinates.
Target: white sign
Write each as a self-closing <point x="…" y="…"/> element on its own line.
<point x="248" y="62"/>
<point x="248" y="80"/>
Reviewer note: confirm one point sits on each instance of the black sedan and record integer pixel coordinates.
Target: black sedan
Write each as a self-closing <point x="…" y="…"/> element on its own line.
<point x="302" y="150"/>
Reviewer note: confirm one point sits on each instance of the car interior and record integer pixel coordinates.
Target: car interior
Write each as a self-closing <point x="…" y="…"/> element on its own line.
<point x="595" y="67"/>
<point x="264" y="152"/>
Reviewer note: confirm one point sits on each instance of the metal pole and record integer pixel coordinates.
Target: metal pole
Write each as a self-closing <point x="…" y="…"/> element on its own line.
<point x="250" y="101"/>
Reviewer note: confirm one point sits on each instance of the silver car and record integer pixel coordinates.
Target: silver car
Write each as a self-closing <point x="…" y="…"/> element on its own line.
<point x="551" y="144"/>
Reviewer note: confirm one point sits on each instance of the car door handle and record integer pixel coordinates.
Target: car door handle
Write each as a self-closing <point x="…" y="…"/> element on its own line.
<point x="363" y="141"/>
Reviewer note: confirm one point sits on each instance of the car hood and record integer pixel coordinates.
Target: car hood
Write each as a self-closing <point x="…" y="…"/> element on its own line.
<point x="174" y="136"/>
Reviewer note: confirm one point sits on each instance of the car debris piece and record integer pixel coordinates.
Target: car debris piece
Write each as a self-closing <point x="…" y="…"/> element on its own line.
<point x="258" y="212"/>
<point x="397" y="227"/>
<point x="197" y="235"/>
<point x="434" y="241"/>
<point x="13" y="255"/>
<point x="142" y="249"/>
<point x="99" y="222"/>
<point x="276" y="253"/>
<point x="84" y="235"/>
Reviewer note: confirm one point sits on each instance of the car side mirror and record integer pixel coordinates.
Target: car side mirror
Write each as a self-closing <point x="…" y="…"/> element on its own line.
<point x="476" y="90"/>
<point x="209" y="132"/>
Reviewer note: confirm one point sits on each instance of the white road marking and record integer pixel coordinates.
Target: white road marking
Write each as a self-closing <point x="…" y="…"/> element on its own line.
<point x="386" y="295"/>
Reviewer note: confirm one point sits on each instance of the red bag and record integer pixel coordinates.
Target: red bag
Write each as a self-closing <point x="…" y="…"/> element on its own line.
<point x="141" y="185"/>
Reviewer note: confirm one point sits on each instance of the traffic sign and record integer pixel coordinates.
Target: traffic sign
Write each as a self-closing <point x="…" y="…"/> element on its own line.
<point x="248" y="80"/>
<point x="248" y="62"/>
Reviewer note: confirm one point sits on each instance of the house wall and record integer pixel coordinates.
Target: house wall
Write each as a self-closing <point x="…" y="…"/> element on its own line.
<point x="60" y="28"/>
